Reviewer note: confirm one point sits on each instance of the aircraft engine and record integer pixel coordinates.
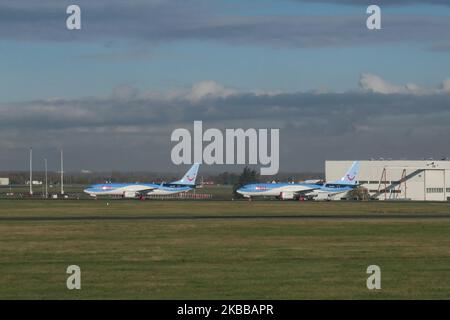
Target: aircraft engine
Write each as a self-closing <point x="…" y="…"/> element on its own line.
<point x="287" y="195"/>
<point x="129" y="194"/>
<point x="322" y="196"/>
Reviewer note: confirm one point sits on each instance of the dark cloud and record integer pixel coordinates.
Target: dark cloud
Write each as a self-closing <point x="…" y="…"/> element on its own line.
<point x="128" y="132"/>
<point x="174" y="20"/>
<point x="380" y="2"/>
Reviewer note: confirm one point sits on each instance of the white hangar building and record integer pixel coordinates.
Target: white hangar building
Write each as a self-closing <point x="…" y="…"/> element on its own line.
<point x="422" y="180"/>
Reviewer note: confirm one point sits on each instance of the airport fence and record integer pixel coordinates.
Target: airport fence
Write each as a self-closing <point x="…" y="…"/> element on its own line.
<point x="183" y="195"/>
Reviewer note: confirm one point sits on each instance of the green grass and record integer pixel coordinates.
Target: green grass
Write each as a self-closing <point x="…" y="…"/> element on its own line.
<point x="181" y="208"/>
<point x="223" y="259"/>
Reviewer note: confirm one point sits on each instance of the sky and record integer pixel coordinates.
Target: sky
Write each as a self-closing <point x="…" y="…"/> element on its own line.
<point x="111" y="93"/>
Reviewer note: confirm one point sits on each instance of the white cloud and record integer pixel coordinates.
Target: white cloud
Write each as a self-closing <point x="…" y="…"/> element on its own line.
<point x="376" y="84"/>
<point x="446" y="85"/>
<point x="208" y="89"/>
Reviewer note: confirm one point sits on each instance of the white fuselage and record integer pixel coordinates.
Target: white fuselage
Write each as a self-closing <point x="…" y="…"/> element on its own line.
<point x="273" y="189"/>
<point x="133" y="190"/>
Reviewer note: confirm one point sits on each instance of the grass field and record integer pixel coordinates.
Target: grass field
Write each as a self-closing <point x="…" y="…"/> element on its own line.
<point x="222" y="257"/>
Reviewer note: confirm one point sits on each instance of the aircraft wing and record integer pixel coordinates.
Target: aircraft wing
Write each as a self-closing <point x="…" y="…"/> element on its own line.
<point x="144" y="191"/>
<point x="305" y="192"/>
<point x="300" y="188"/>
<point x="150" y="189"/>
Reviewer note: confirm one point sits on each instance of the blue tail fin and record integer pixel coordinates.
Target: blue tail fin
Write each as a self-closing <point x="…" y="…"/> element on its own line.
<point x="190" y="176"/>
<point x="351" y="176"/>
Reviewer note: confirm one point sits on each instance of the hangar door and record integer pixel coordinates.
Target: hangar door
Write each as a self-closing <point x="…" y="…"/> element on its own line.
<point x="435" y="185"/>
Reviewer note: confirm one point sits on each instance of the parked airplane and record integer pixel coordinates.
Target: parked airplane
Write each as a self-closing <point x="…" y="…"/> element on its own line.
<point x="316" y="191"/>
<point x="136" y="190"/>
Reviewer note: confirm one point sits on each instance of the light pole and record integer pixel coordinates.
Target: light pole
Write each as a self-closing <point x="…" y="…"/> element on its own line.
<point x="31" y="171"/>
<point x="46" y="185"/>
<point x="62" y="172"/>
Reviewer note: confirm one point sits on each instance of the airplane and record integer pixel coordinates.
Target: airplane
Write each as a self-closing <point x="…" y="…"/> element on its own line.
<point x="140" y="190"/>
<point x="327" y="191"/>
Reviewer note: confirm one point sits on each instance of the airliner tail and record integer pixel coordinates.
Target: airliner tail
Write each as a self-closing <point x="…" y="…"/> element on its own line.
<point x="190" y="176"/>
<point x="351" y="176"/>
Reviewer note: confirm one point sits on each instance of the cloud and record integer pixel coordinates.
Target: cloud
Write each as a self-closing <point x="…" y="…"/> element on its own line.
<point x="208" y="89"/>
<point x="153" y="22"/>
<point x="380" y="2"/>
<point x="376" y="84"/>
<point x="132" y="131"/>
<point x="446" y="85"/>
